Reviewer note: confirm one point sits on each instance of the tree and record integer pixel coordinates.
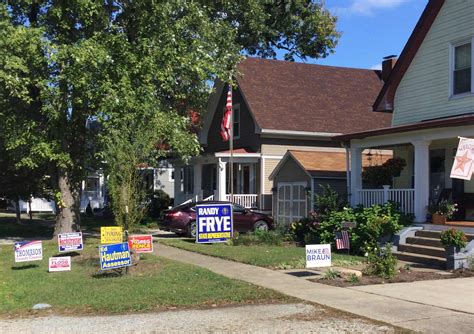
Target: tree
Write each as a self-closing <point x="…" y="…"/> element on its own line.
<point x="64" y="63"/>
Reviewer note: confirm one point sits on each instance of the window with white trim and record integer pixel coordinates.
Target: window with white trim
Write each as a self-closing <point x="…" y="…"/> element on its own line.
<point x="462" y="60"/>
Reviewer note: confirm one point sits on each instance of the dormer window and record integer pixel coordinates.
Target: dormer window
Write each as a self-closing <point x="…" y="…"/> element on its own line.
<point x="462" y="68"/>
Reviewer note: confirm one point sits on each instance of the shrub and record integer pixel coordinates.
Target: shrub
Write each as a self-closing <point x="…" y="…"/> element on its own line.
<point x="352" y="278"/>
<point x="453" y="237"/>
<point x="328" y="201"/>
<point x="306" y="226"/>
<point x="159" y="201"/>
<point x="331" y="274"/>
<point x="381" y="262"/>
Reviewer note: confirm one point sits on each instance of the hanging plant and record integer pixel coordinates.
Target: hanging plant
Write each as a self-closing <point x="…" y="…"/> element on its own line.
<point x="378" y="176"/>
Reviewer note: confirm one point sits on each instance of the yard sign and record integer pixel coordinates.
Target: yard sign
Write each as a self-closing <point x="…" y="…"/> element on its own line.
<point x="214" y="223"/>
<point x="28" y="251"/>
<point x="141" y="243"/>
<point x="111" y="234"/>
<point x="114" y="256"/>
<point x="70" y="242"/>
<point x="62" y="263"/>
<point x="318" y="256"/>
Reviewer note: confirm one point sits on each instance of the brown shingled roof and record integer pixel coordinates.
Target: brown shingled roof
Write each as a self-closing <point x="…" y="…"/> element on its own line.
<point x="315" y="161"/>
<point x="305" y="97"/>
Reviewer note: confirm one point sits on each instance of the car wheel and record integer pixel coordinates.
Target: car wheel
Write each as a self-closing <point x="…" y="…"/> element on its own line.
<point x="260" y="226"/>
<point x="192" y="229"/>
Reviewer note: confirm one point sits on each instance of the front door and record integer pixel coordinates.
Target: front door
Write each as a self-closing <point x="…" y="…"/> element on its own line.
<point x="291" y="202"/>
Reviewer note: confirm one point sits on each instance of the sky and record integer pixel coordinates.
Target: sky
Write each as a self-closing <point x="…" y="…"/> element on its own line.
<point x="371" y="30"/>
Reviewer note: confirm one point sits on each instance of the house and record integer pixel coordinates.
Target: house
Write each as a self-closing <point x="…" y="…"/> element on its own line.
<point x="429" y="93"/>
<point x="303" y="173"/>
<point x="278" y="106"/>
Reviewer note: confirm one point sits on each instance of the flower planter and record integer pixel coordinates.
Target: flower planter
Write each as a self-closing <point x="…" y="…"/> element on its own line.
<point x="438" y="219"/>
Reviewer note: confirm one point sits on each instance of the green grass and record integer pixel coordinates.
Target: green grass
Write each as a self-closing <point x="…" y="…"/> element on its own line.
<point x="280" y="257"/>
<point x="156" y="283"/>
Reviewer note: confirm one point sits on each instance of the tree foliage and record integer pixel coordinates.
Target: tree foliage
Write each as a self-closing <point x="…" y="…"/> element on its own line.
<point x="126" y="63"/>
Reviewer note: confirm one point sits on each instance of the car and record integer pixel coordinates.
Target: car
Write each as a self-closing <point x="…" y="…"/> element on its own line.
<point x="182" y="219"/>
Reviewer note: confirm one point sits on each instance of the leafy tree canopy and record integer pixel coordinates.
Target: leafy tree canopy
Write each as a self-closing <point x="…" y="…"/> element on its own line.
<point x="66" y="64"/>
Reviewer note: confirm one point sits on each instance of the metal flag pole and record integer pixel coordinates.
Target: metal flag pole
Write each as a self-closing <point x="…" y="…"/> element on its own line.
<point x="231" y="146"/>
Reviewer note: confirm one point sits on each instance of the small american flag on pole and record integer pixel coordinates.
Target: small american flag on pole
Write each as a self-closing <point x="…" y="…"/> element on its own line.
<point x="342" y="240"/>
<point x="225" y="125"/>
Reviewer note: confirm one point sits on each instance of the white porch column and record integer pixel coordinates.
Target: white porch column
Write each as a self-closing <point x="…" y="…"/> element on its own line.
<point x="356" y="174"/>
<point x="178" y="193"/>
<point x="221" y="181"/>
<point x="198" y="181"/>
<point x="422" y="179"/>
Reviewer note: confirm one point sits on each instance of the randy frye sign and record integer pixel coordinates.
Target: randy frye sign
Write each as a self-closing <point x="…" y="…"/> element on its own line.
<point x="214" y="223"/>
<point x="114" y="256"/>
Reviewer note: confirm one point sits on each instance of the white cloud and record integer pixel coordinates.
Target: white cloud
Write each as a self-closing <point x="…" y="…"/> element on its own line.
<point x="367" y="7"/>
<point x="376" y="67"/>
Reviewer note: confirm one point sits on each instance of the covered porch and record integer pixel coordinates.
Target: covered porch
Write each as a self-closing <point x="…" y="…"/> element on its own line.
<point x="429" y="154"/>
<point x="208" y="177"/>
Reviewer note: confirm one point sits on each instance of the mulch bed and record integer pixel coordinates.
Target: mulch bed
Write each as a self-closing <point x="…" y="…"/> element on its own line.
<point x="404" y="275"/>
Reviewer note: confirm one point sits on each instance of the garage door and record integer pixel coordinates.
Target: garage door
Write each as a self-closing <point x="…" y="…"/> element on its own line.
<point x="291" y="202"/>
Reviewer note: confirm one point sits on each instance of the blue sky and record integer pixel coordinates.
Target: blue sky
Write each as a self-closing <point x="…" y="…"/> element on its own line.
<point x="371" y="30"/>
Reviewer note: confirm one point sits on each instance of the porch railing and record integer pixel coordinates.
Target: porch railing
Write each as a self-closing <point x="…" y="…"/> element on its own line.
<point x="246" y="200"/>
<point x="404" y="197"/>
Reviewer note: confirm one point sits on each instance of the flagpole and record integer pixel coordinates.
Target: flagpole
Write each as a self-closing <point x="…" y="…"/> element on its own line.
<point x="231" y="146"/>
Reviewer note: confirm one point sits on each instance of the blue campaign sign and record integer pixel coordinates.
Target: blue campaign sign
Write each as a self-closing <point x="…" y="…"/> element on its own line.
<point x="214" y="223"/>
<point x="114" y="256"/>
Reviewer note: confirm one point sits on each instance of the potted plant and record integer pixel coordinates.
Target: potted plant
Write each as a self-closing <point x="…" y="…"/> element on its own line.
<point x="442" y="211"/>
<point x="453" y="240"/>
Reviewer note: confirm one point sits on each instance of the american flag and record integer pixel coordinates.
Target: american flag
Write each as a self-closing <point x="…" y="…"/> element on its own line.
<point x="342" y="240"/>
<point x="225" y="125"/>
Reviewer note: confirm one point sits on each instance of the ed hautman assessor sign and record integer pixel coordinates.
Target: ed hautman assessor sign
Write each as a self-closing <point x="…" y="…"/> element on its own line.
<point x="214" y="223"/>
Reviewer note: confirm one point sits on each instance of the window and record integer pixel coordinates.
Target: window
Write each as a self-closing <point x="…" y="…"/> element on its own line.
<point x="236" y="122"/>
<point x="171" y="174"/>
<point x="462" y="69"/>
<point x="188" y="179"/>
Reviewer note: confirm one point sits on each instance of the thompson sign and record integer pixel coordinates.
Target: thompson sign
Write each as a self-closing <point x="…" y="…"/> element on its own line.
<point x="214" y="223"/>
<point x="28" y="251"/>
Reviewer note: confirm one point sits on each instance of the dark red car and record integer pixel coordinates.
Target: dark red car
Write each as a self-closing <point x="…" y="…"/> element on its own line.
<point x="182" y="219"/>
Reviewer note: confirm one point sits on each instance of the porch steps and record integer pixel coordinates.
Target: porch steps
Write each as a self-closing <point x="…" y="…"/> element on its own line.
<point x="424" y="248"/>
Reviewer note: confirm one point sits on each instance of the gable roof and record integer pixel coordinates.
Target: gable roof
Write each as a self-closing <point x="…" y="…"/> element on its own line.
<point x="385" y="98"/>
<point x="318" y="161"/>
<point x="290" y="96"/>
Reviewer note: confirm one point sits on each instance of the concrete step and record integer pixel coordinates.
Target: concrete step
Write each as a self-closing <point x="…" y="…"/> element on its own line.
<point x="431" y="261"/>
<point x="436" y="234"/>
<point x="423" y="250"/>
<point x="424" y="242"/>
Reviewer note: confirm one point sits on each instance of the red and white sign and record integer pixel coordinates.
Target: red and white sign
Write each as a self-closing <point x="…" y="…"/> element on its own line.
<point x="141" y="243"/>
<point x="463" y="162"/>
<point x="62" y="263"/>
<point x="70" y="242"/>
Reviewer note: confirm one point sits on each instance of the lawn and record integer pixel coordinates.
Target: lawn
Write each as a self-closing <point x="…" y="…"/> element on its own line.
<point x="279" y="257"/>
<point x="154" y="284"/>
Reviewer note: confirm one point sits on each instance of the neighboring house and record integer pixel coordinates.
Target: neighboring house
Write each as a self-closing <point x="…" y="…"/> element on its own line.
<point x="299" y="176"/>
<point x="429" y="94"/>
<point x="278" y="106"/>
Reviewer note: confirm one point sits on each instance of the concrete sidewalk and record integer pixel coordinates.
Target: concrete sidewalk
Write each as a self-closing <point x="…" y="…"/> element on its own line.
<point x="430" y="308"/>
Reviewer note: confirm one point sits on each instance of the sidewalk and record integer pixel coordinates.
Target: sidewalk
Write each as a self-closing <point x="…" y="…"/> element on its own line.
<point x="434" y="306"/>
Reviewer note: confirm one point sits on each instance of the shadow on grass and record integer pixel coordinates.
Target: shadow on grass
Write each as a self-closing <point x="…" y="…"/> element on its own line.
<point x="71" y="254"/>
<point x="112" y="273"/>
<point x="27" y="266"/>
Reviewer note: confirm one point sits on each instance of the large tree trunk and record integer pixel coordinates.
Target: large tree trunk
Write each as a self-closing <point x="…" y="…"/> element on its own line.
<point x="17" y="211"/>
<point x="68" y="218"/>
